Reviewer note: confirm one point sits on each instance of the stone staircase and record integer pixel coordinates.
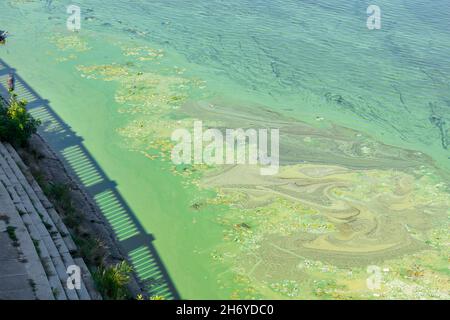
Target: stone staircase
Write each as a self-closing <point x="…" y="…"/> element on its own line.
<point x="36" y="248"/>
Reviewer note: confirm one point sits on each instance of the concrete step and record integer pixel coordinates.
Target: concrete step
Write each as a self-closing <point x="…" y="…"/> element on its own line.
<point x="22" y="253"/>
<point x="55" y="217"/>
<point x="43" y="223"/>
<point x="40" y="237"/>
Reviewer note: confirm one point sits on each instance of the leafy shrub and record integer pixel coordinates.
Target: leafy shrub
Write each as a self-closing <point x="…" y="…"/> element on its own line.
<point x="16" y="124"/>
<point x="112" y="281"/>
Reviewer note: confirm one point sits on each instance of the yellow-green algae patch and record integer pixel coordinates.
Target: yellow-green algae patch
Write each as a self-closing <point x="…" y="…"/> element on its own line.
<point x="143" y="53"/>
<point x="68" y="46"/>
<point x="72" y="42"/>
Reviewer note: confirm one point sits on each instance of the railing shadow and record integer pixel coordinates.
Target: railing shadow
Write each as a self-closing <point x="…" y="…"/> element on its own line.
<point x="65" y="142"/>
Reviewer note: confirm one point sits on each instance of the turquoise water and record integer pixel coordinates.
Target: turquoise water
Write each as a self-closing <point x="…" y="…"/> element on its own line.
<point x="290" y="54"/>
<point x="305" y="59"/>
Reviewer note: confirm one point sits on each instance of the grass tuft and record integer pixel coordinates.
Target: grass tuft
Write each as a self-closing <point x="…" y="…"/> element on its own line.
<point x="112" y="281"/>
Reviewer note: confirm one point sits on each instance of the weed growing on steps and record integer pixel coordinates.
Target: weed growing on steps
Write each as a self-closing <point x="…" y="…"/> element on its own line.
<point x="11" y="231"/>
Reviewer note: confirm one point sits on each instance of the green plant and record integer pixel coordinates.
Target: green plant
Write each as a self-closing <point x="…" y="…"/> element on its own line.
<point x="90" y="248"/>
<point x="59" y="192"/>
<point x="112" y="281"/>
<point x="55" y="292"/>
<point x="32" y="284"/>
<point x="16" y="124"/>
<point x="48" y="226"/>
<point x="36" y="246"/>
<point x="12" y="233"/>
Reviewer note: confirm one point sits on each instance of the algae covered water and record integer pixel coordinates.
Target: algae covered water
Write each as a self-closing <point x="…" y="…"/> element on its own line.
<point x="363" y="116"/>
